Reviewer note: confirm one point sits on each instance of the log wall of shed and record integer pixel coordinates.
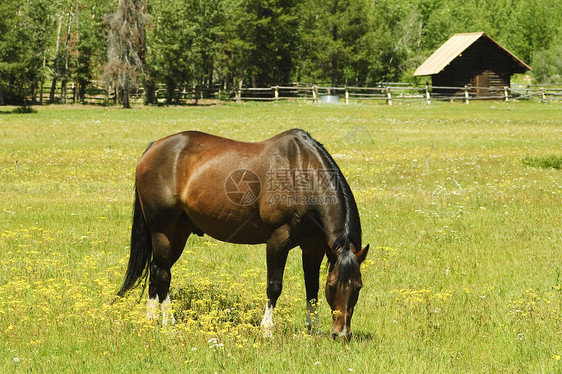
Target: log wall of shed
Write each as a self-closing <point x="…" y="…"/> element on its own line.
<point x="482" y="64"/>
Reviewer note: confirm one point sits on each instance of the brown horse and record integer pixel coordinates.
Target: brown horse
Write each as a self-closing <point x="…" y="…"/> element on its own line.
<point x="286" y="191"/>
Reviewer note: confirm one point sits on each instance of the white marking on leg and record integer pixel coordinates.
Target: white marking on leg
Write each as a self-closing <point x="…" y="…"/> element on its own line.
<point x="311" y="316"/>
<point x="152" y="306"/>
<point x="167" y="312"/>
<point x="267" y="321"/>
<point x="343" y="333"/>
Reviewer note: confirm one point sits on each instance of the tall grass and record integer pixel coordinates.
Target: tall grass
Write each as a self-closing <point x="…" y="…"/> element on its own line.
<point x="549" y="161"/>
<point x="463" y="275"/>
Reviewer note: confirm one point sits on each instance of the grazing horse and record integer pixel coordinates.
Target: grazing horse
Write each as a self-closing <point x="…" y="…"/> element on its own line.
<point x="286" y="191"/>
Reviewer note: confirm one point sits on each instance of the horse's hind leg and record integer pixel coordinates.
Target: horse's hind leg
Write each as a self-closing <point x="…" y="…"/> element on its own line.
<point x="167" y="247"/>
<point x="160" y="275"/>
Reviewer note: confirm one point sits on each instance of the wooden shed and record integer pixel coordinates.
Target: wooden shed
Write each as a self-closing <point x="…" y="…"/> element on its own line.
<point x="472" y="59"/>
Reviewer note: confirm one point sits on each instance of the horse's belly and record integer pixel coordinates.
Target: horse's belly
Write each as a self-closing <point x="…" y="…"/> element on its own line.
<point x="234" y="228"/>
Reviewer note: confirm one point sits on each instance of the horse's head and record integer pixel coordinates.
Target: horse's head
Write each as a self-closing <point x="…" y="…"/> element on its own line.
<point x="342" y="288"/>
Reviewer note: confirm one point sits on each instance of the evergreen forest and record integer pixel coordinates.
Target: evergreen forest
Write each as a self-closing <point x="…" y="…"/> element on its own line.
<point x="256" y="43"/>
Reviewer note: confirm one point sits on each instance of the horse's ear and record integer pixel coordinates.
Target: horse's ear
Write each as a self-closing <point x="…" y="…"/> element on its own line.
<point x="362" y="254"/>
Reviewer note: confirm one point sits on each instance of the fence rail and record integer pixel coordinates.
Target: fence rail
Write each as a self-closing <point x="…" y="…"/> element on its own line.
<point x="390" y="93"/>
<point x="395" y="93"/>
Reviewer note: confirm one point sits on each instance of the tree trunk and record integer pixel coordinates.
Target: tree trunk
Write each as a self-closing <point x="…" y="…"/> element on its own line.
<point x="126" y="104"/>
<point x="149" y="92"/>
<point x="170" y="91"/>
<point x="42" y="77"/>
<point x="33" y="94"/>
<point x="81" y="92"/>
<point x="335" y="38"/>
<point x="56" y="70"/>
<point x="66" y="57"/>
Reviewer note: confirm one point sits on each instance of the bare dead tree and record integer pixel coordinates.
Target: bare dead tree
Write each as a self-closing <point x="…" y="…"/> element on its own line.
<point x="56" y="65"/>
<point x="126" y="48"/>
<point x="65" y="74"/>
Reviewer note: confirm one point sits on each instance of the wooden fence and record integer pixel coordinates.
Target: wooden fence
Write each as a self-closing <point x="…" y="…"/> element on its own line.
<point x="401" y="93"/>
<point x="389" y="93"/>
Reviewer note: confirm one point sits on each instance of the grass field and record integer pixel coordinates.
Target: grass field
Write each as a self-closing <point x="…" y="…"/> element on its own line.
<point x="463" y="275"/>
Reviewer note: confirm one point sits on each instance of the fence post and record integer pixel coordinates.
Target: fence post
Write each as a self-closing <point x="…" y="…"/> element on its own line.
<point x="346" y="95"/>
<point x="315" y="93"/>
<point x="427" y="95"/>
<point x="466" y="95"/>
<point x="388" y="96"/>
<point x="543" y="91"/>
<point x="276" y="88"/>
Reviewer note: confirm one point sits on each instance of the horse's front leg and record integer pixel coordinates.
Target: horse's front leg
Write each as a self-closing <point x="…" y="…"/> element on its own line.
<point x="278" y="247"/>
<point x="312" y="256"/>
<point x="267" y="321"/>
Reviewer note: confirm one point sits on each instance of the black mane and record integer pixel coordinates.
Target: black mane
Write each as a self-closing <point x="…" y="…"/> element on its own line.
<point x="351" y="231"/>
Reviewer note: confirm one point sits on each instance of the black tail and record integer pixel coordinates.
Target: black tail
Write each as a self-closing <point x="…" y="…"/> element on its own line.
<point x="141" y="250"/>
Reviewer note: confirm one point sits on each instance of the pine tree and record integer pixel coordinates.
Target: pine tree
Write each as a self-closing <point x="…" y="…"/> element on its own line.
<point x="266" y="40"/>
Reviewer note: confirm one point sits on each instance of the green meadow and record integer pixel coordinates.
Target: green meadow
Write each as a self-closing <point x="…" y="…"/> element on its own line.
<point x="463" y="219"/>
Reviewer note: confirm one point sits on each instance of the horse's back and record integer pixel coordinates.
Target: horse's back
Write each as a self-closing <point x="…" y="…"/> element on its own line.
<point x="200" y="148"/>
<point x="221" y="184"/>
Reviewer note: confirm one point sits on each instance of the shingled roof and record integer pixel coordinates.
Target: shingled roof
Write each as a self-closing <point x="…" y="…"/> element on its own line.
<point x="454" y="47"/>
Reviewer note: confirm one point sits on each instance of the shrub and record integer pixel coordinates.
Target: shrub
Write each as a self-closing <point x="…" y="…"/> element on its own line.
<point x="24" y="110"/>
<point x="550" y="161"/>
